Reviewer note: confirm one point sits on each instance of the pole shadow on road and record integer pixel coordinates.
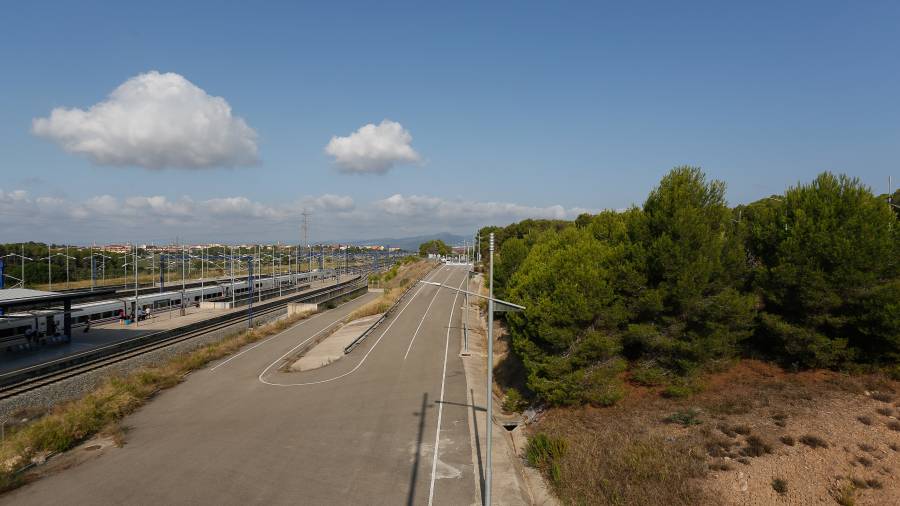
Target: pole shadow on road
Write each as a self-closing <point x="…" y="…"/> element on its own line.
<point x="477" y="437"/>
<point x="411" y="498"/>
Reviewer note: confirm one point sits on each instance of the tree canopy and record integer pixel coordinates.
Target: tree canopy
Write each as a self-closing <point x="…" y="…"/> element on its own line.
<point x="434" y="247"/>
<point x="809" y="278"/>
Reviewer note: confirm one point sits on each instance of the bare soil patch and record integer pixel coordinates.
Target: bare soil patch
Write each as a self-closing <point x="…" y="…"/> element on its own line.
<point x="754" y="435"/>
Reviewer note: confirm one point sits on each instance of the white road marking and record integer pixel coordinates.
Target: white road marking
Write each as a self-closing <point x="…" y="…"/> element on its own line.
<point x="425" y="315"/>
<point x="264" y="341"/>
<point x="263" y="380"/>
<point x="437" y="433"/>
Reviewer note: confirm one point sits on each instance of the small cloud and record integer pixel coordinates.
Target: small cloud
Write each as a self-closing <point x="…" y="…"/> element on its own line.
<point x="373" y="149"/>
<point x="154" y="121"/>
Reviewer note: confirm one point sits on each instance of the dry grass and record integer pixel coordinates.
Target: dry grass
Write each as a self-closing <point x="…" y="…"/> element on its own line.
<point x="403" y="276"/>
<point x="609" y="460"/>
<point x="844" y="494"/>
<point x="736" y="424"/>
<point x="101" y="410"/>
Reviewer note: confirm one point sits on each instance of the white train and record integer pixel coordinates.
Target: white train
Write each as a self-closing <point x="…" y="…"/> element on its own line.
<point x="14" y="326"/>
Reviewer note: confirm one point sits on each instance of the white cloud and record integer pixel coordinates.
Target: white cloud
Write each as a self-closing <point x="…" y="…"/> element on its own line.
<point x="373" y="149"/>
<point x="154" y="121"/>
<point x="468" y="212"/>
<point x="157" y="218"/>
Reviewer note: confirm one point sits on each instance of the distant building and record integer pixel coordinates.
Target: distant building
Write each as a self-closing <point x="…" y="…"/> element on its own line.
<point x="117" y="248"/>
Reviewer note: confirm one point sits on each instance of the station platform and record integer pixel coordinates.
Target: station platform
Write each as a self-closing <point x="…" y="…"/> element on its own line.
<point x="114" y="332"/>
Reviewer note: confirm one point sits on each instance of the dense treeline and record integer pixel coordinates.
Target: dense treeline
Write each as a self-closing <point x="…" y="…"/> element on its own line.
<point x="810" y="278"/>
<point x="434" y="247"/>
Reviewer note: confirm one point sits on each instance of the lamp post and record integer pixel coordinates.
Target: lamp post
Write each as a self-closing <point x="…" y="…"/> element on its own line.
<point x="49" y="277"/>
<point x="182" y="281"/>
<point x="231" y="265"/>
<point x="67" y="257"/>
<point x="49" y="269"/>
<point x="94" y="276"/>
<point x="503" y="306"/>
<point x="22" y="257"/>
<point x="137" y="303"/>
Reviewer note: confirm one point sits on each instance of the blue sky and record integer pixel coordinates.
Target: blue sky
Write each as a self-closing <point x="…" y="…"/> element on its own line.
<point x="514" y="109"/>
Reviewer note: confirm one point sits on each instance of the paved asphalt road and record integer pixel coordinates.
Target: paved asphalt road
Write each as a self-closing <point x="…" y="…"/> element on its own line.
<point x="360" y="431"/>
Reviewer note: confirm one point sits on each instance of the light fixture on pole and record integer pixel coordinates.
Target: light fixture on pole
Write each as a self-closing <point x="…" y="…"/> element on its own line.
<point x="22" y="258"/>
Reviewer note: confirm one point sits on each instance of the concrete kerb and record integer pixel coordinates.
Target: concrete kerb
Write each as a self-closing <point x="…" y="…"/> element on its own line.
<point x="329" y="346"/>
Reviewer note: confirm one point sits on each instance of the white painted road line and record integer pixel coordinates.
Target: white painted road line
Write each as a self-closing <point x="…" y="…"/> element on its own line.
<point x="425" y="315"/>
<point x="437" y="432"/>
<point x="263" y="380"/>
<point x="264" y="341"/>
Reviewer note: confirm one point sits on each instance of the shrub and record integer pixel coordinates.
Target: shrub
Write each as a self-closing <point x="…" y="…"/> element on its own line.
<point x="844" y="494"/>
<point x="882" y="396"/>
<point x="756" y="447"/>
<point x="813" y="441"/>
<point x="742" y="429"/>
<point x="788" y="440"/>
<point x="685" y="418"/>
<point x="513" y="402"/>
<point x="678" y="391"/>
<point x="649" y="376"/>
<point x="780" y="486"/>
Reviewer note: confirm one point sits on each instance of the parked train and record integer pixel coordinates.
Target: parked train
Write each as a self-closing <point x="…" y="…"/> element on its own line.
<point x="15" y="326"/>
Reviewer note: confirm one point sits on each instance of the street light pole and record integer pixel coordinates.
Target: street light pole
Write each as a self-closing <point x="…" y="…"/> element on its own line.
<point x="490" y="374"/>
<point x="137" y="304"/>
<point x="49" y="269"/>
<point x="231" y="263"/>
<point x="182" y="281"/>
<point x="504" y="306"/>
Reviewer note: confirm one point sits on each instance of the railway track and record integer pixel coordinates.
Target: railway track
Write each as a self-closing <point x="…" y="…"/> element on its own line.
<point x="24" y="380"/>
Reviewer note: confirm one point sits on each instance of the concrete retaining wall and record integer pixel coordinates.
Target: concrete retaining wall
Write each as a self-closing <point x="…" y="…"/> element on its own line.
<point x="301" y="307"/>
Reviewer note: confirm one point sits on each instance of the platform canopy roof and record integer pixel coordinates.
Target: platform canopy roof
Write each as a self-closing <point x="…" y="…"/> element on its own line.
<point x="19" y="297"/>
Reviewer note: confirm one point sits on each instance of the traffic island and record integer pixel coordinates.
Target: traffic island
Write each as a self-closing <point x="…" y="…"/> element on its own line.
<point x="331" y="348"/>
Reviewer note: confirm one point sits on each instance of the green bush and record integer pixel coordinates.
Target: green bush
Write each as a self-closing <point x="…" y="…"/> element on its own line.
<point x="686" y="418"/>
<point x="513" y="402"/>
<point x="545" y="453"/>
<point x="649" y="375"/>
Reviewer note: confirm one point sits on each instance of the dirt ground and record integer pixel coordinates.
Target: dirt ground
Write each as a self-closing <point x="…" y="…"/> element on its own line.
<point x="818" y="437"/>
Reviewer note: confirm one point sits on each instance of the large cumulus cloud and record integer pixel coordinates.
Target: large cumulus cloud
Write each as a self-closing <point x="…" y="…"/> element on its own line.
<point x="154" y="121"/>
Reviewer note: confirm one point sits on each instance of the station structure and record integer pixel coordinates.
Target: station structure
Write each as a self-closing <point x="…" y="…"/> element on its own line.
<point x="26" y="304"/>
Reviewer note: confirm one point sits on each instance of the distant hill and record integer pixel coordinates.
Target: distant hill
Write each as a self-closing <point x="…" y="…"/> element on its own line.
<point x="412" y="243"/>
